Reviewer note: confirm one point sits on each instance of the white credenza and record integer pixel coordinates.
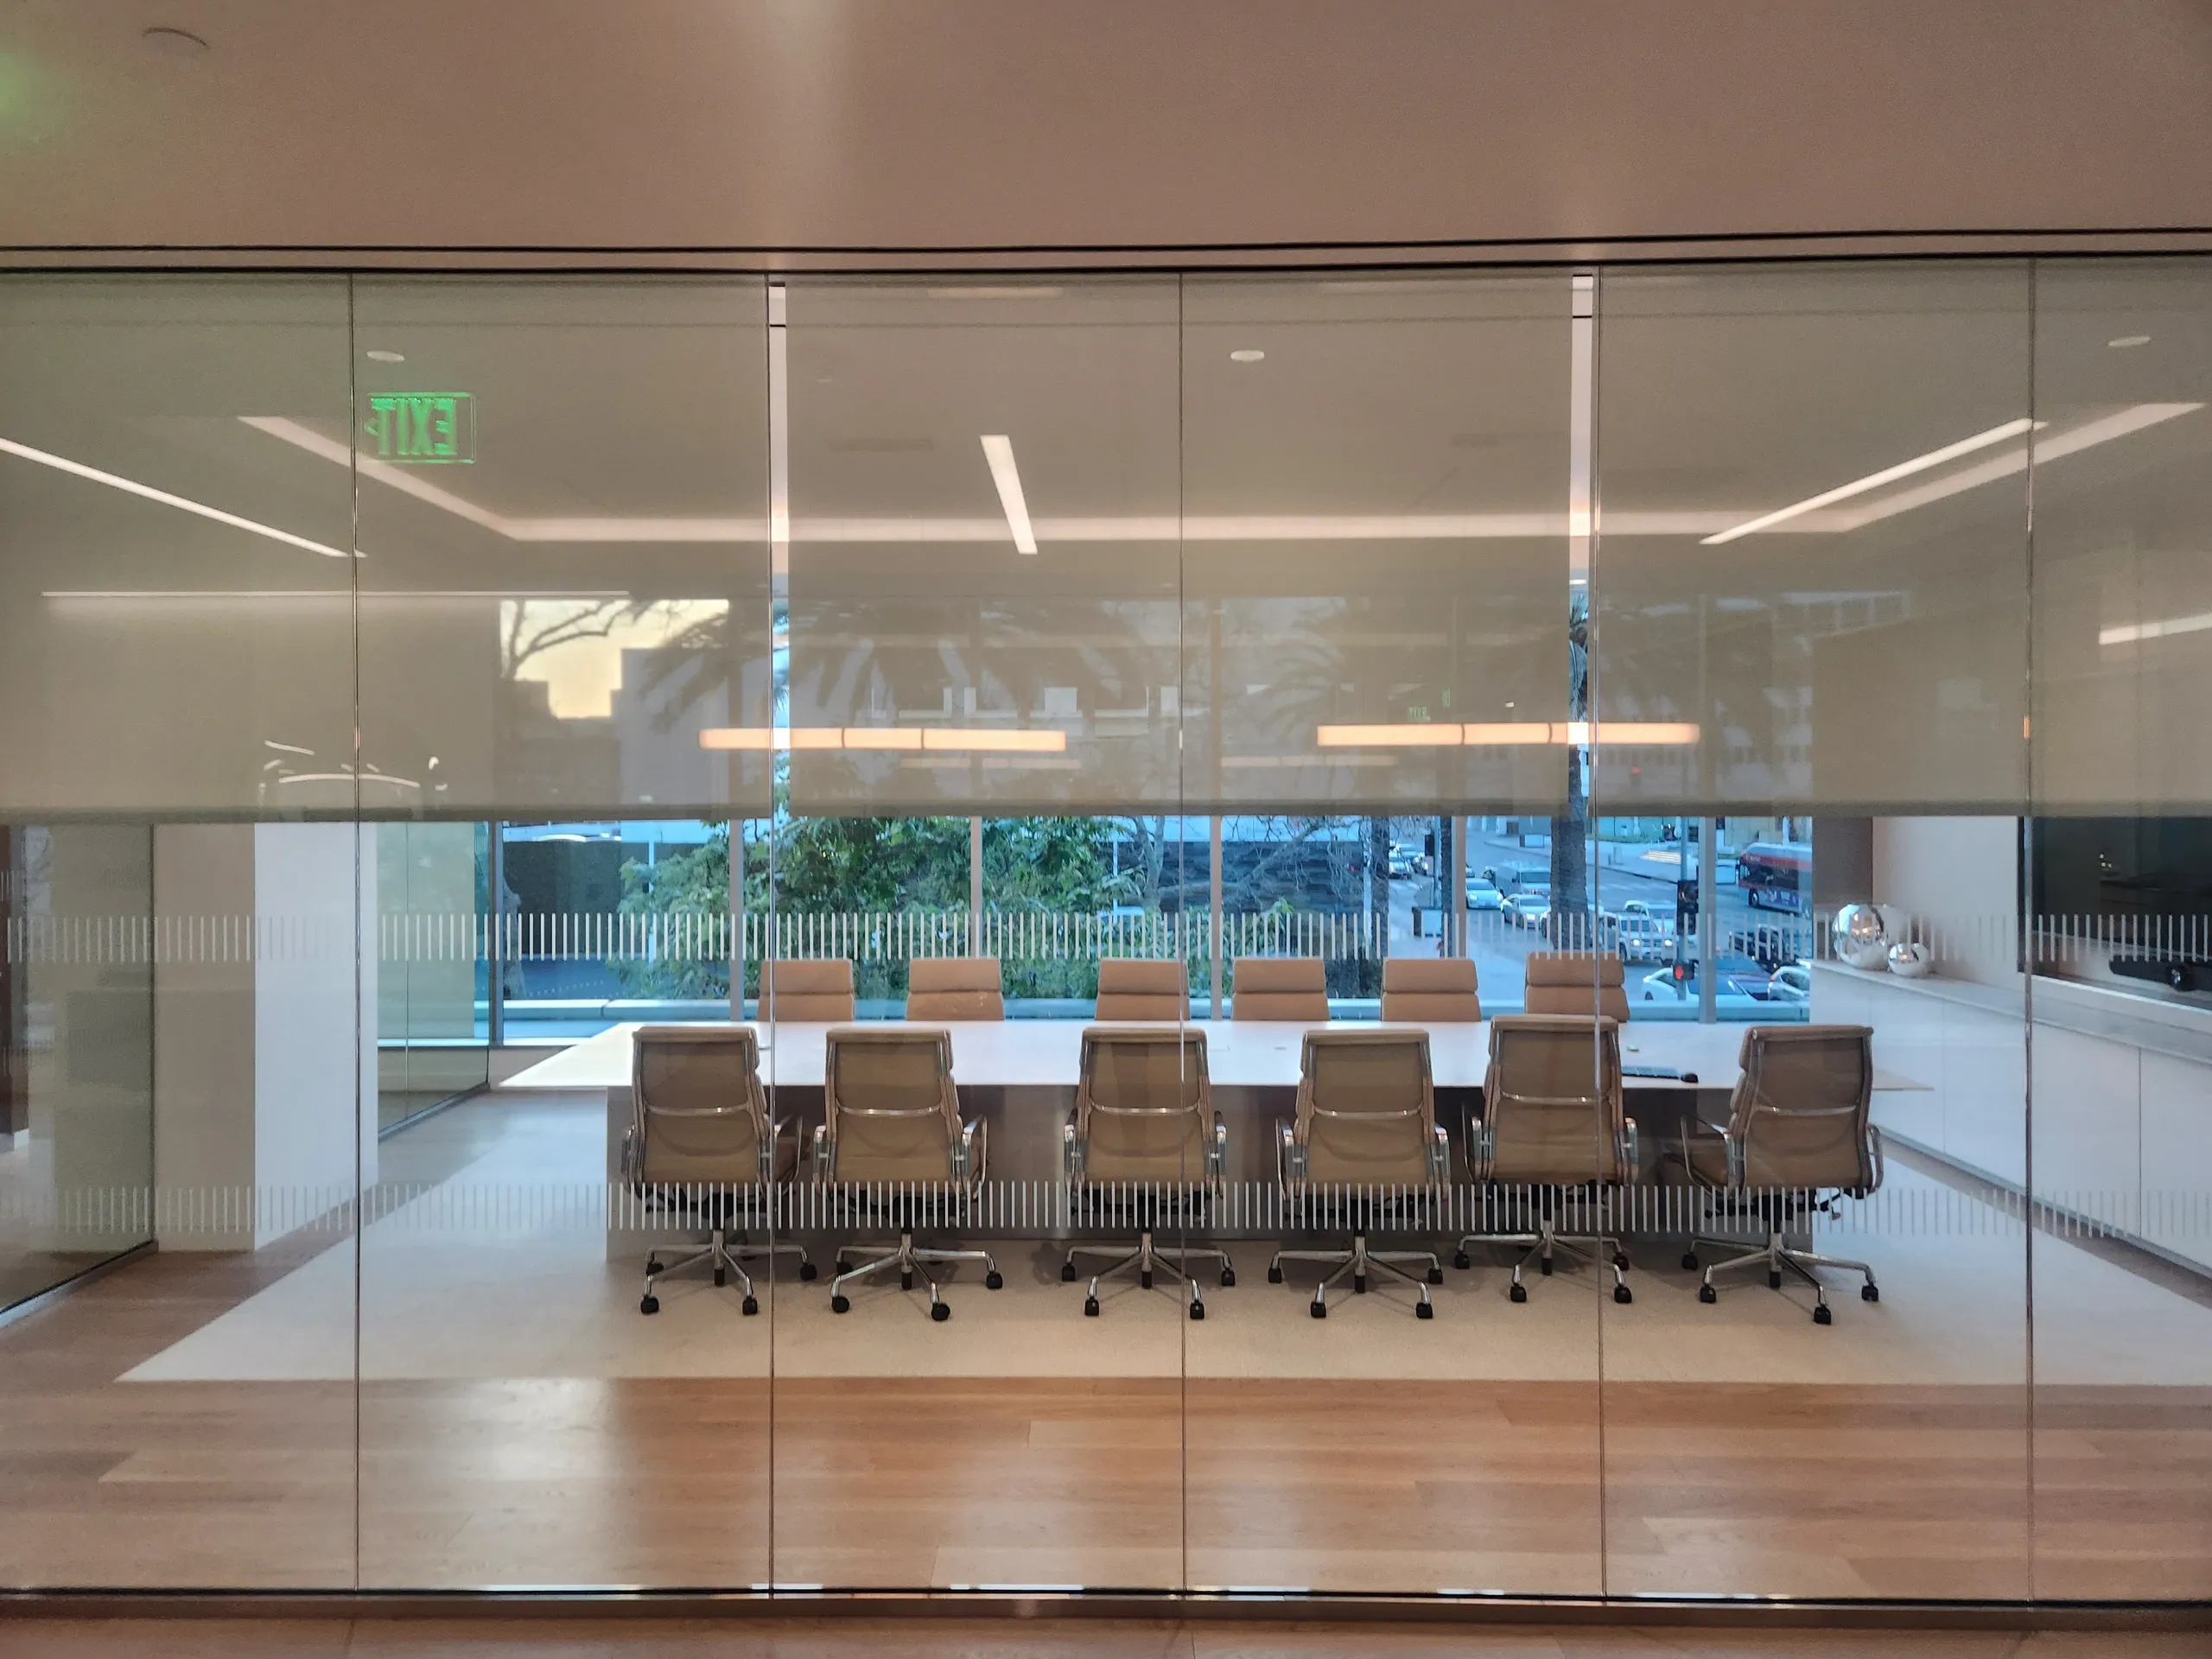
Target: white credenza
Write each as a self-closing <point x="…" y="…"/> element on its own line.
<point x="2112" y="1093"/>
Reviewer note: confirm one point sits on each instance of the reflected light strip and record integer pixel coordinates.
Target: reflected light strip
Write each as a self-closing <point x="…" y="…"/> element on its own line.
<point x="131" y="486"/>
<point x="1509" y="735"/>
<point x="998" y="450"/>
<point x="2134" y="633"/>
<point x="1876" y="481"/>
<point x="940" y="738"/>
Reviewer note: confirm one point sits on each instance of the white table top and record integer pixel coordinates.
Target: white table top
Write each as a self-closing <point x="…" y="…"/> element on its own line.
<point x="1251" y="1053"/>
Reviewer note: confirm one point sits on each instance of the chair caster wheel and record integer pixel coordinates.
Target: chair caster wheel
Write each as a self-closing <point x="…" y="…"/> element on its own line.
<point x="841" y="1304"/>
<point x="1707" y="1293"/>
<point x="1228" y="1277"/>
<point x="1545" y="1267"/>
<point x="652" y="1264"/>
<point x="1690" y="1263"/>
<point x="1518" y="1293"/>
<point x="1424" y="1310"/>
<point x="906" y="1282"/>
<point x="940" y="1312"/>
<point x="1091" y="1308"/>
<point x="1359" y="1284"/>
<point x="1461" y="1260"/>
<point x="721" y="1277"/>
<point x="1067" y="1272"/>
<point x="1869" y="1293"/>
<point x="1623" y="1293"/>
<point x="1821" y="1316"/>
<point x="806" y="1269"/>
<point x="1145" y="1280"/>
<point x="1435" y="1277"/>
<point x="1318" y="1310"/>
<point x="994" y="1280"/>
<point x="751" y="1305"/>
<point x="1774" y="1281"/>
<point x="649" y="1305"/>
<point x="1275" y="1275"/>
<point x="1198" y="1310"/>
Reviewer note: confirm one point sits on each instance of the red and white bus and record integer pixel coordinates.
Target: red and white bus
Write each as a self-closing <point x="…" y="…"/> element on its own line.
<point x="1776" y="875"/>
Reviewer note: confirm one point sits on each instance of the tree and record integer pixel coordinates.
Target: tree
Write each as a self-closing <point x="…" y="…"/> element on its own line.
<point x="1570" y="837"/>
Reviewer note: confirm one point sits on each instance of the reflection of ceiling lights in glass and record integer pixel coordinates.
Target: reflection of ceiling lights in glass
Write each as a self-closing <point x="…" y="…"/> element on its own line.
<point x="1875" y="480"/>
<point x="174" y="43"/>
<point x="131" y="486"/>
<point x="2127" y="341"/>
<point x="1248" y="354"/>
<point x="379" y="355"/>
<point x="998" y="450"/>
<point x="1038" y="740"/>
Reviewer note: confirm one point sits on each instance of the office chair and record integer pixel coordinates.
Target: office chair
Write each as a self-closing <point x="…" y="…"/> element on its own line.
<point x="892" y="1132"/>
<point x="954" y="988"/>
<point x="1133" y="990"/>
<point x="1553" y="1127"/>
<point x="1576" y="982"/>
<point x="700" y="1143"/>
<point x="1365" y="1139"/>
<point x="1424" y="990"/>
<point x="808" y="989"/>
<point x="1279" y="987"/>
<point x="1797" y="1138"/>
<point x="1143" y="1132"/>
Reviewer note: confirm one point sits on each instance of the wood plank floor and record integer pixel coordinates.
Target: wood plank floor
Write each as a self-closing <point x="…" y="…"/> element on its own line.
<point x="1373" y="1485"/>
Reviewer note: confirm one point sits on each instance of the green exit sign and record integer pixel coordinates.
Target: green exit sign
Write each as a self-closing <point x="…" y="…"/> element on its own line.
<point x="422" y="429"/>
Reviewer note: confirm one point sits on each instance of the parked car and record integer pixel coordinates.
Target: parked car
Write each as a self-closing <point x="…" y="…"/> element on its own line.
<point x="1635" y="908"/>
<point x="1481" y="895"/>
<point x="1528" y="909"/>
<point x="1644" y="937"/>
<point x="1792" y="983"/>
<point x="1402" y="864"/>
<point x="1734" y="976"/>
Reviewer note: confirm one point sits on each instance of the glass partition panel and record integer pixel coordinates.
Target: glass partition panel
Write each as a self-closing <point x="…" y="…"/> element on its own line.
<point x="188" y="1039"/>
<point x="1377" y="486"/>
<point x="982" y="590"/>
<point x="2120" y="929"/>
<point x="1809" y="609"/>
<point x="563" y="516"/>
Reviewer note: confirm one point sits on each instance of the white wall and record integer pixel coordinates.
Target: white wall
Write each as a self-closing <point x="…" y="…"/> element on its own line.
<point x="1959" y="879"/>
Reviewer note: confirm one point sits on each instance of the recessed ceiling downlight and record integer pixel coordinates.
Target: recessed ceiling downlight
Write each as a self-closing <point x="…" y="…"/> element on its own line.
<point x="1246" y="355"/>
<point x="2128" y="341"/>
<point x="379" y="355"/>
<point x="177" y="42"/>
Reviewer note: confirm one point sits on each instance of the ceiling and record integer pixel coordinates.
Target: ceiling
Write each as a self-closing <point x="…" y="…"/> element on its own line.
<point x="1000" y="125"/>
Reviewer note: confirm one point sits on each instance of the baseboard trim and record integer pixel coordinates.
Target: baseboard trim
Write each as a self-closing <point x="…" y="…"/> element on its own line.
<point x="1717" y="1612"/>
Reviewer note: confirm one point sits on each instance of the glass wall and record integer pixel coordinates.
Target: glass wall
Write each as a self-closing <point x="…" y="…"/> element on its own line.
<point x="1428" y="933"/>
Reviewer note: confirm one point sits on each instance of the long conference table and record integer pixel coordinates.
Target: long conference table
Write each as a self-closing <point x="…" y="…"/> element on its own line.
<point x="1019" y="1076"/>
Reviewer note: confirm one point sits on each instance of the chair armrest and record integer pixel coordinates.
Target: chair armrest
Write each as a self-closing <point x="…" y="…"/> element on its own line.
<point x="1631" y="1150"/>
<point x="632" y="1164"/>
<point x="825" y="1154"/>
<point x="1874" y="1140"/>
<point x="1290" y="1157"/>
<point x="1071" y="1150"/>
<point x="969" y="1152"/>
<point x="1693" y="1127"/>
<point x="1218" y="1150"/>
<point x="1440" y="1154"/>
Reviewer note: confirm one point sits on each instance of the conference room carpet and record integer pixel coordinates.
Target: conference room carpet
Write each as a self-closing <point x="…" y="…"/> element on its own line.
<point x="193" y="1419"/>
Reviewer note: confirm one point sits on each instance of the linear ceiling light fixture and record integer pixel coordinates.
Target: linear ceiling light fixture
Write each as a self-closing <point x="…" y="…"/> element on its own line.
<point x="1435" y="734"/>
<point x="1876" y="481"/>
<point x="131" y="486"/>
<point x="960" y="740"/>
<point x="2131" y="633"/>
<point x="998" y="449"/>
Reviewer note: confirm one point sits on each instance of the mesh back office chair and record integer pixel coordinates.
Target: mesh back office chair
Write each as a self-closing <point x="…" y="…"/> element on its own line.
<point x="892" y="1133"/>
<point x="700" y="1143"/>
<point x="1144" y="1135"/>
<point x="954" y="988"/>
<point x="1365" y="1140"/>
<point x="1797" y="1137"/>
<point x="1553" y="1125"/>
<point x="817" y="992"/>
<point x="1130" y="989"/>
<point x="1280" y="988"/>
<point x="1430" y="990"/>
<point x="1576" y="982"/>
